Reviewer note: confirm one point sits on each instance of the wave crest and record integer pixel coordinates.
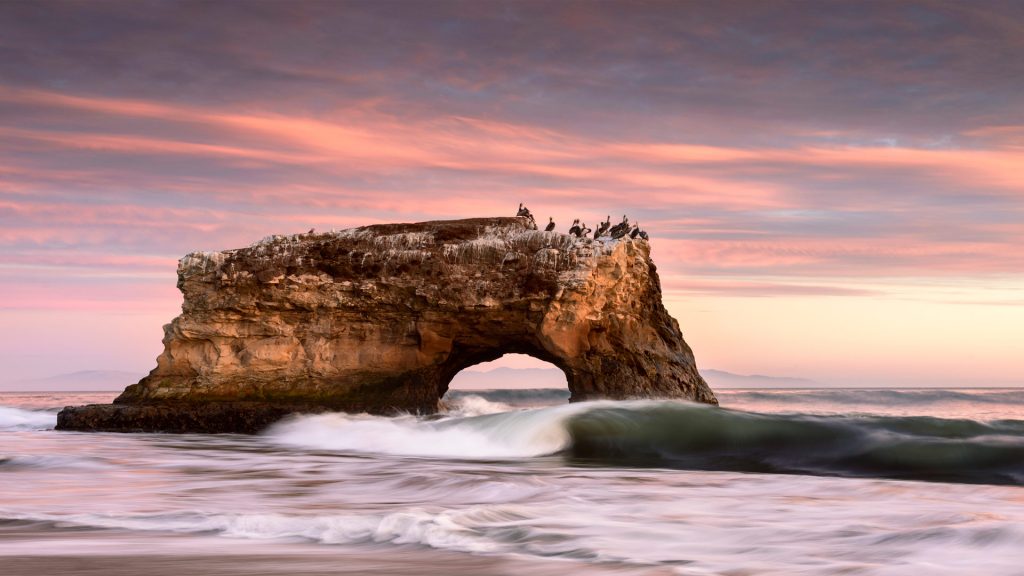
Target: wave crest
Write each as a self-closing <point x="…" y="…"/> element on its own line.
<point x="513" y="434"/>
<point x="691" y="436"/>
<point x="19" y="419"/>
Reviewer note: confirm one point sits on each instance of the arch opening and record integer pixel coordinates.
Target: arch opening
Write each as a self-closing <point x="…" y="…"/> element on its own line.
<point x="514" y="380"/>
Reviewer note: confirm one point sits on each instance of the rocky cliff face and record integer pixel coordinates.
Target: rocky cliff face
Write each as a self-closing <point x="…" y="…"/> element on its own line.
<point x="381" y="318"/>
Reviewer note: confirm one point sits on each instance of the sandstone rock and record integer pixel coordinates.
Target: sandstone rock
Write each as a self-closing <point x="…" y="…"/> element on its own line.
<point x="381" y="318"/>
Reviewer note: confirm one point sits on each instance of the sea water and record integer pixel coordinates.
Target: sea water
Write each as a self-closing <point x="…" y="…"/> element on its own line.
<point x="774" y="482"/>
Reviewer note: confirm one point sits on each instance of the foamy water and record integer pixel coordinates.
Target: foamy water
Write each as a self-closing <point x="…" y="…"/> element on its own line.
<point x="19" y="419"/>
<point x="798" y="488"/>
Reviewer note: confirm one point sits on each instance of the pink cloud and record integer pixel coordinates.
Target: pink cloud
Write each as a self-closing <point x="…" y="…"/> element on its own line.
<point x="756" y="288"/>
<point x="77" y="259"/>
<point x="118" y="297"/>
<point x="885" y="256"/>
<point x="362" y="142"/>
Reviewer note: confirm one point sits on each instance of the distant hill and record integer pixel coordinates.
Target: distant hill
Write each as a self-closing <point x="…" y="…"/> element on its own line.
<point x="722" y="379"/>
<point x="86" y="380"/>
<point x="553" y="378"/>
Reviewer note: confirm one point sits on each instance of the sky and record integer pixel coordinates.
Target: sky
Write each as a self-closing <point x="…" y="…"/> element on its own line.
<point x="833" y="190"/>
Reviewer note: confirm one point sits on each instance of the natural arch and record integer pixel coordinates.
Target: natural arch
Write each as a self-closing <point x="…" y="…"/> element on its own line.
<point x="380" y="319"/>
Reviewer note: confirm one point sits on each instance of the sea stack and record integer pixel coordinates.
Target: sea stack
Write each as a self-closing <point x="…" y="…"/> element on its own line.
<point x="379" y="319"/>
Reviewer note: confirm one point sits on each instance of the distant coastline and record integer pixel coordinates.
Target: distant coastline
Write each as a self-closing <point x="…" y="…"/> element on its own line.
<point x="80" y="381"/>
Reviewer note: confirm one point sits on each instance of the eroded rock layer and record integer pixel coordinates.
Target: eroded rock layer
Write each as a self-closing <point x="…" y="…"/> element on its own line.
<point x="380" y="319"/>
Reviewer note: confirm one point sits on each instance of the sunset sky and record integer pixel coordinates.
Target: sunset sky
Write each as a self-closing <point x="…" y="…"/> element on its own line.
<point x="834" y="190"/>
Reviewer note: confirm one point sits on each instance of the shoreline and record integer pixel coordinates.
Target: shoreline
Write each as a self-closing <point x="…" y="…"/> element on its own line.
<point x="32" y="548"/>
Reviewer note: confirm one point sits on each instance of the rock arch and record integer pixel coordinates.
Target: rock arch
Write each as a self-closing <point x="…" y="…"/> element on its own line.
<point x="381" y="318"/>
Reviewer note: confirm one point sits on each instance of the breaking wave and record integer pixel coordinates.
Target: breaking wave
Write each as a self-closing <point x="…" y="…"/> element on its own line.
<point x="485" y="529"/>
<point x="19" y="419"/>
<point x="515" y="397"/>
<point x="507" y="434"/>
<point x="690" y="436"/>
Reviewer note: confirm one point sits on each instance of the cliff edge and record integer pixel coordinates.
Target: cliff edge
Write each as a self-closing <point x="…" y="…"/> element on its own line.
<point x="379" y="319"/>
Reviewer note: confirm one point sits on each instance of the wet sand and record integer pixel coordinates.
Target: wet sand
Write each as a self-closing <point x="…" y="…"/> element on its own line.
<point x="34" y="548"/>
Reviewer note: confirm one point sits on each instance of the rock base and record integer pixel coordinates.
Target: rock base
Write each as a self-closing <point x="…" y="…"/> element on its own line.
<point x="207" y="418"/>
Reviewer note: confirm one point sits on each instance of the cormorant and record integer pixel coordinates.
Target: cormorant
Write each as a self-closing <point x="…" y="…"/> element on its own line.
<point x="551" y="224"/>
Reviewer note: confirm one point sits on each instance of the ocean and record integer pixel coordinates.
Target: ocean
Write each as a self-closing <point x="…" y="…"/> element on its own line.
<point x="775" y="482"/>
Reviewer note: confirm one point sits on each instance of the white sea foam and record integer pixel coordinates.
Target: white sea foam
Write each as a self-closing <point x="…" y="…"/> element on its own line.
<point x="714" y="523"/>
<point x="19" y="419"/>
<point x="522" y="433"/>
<point x="54" y="462"/>
<point x="475" y="405"/>
<point x="459" y="529"/>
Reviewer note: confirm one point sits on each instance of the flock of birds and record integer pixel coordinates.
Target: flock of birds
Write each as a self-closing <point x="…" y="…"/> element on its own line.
<point x="604" y="229"/>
